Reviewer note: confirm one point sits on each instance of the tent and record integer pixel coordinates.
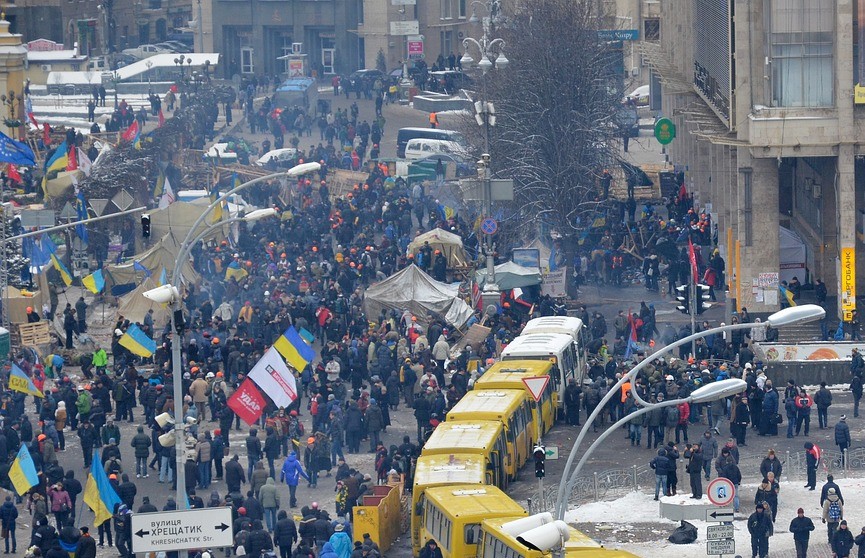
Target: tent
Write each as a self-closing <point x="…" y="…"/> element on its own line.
<point x="178" y="219"/>
<point x="449" y="243"/>
<point x="793" y="256"/>
<point x="163" y="255"/>
<point x="412" y="289"/>
<point x="511" y="276"/>
<point x="133" y="306"/>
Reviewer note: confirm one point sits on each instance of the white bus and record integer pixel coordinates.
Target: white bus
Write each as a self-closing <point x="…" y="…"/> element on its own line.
<point x="567" y="325"/>
<point x="557" y="348"/>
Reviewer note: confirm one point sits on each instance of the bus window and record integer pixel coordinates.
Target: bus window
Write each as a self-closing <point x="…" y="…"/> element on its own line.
<point x="472" y="533"/>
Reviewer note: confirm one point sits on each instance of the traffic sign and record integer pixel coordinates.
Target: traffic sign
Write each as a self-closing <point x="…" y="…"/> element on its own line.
<point x="718" y="532"/>
<point x="665" y="131"/>
<point x="719" y="514"/>
<point x="723" y="546"/>
<point x="181" y="530"/>
<point x="489" y="226"/>
<point x="721" y="492"/>
<point x="551" y="452"/>
<point x="34" y="218"/>
<point x="536" y="385"/>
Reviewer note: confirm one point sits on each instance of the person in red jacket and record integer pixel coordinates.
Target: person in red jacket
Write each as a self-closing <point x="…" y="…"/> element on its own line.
<point x="684" y="413"/>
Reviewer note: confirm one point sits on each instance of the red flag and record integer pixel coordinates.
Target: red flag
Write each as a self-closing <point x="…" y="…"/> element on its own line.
<point x="161" y="118"/>
<point x="247" y="402"/>
<point x="72" y="158"/>
<point x="131" y="131"/>
<point x="46" y="134"/>
<point x="13" y="174"/>
<point x="692" y="256"/>
<point x="32" y="118"/>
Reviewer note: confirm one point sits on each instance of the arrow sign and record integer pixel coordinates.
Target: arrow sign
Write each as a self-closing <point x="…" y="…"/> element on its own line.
<point x="536" y="385"/>
<point x="181" y="530"/>
<point x="551" y="452"/>
<point x="719" y="514"/>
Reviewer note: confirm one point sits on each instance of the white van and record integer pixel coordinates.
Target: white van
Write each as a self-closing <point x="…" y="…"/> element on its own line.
<point x="420" y="148"/>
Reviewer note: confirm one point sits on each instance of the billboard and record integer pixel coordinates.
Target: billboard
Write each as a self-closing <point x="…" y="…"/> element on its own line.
<point x="848" y="283"/>
<point x="713" y="56"/>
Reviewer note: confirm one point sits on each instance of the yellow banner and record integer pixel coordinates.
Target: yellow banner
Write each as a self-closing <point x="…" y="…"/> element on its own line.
<point x="848" y="282"/>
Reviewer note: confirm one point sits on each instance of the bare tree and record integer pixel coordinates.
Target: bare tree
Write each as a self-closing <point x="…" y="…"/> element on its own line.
<point x="554" y="106"/>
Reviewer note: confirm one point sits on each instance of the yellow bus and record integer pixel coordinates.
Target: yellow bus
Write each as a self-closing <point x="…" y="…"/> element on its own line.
<point x="441" y="470"/>
<point x="502" y="538"/>
<point x="510" y="374"/>
<point x="483" y="437"/>
<point x="453" y="516"/>
<point x="512" y="408"/>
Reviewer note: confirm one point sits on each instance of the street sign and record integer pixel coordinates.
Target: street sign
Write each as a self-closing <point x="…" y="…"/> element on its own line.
<point x="551" y="452"/>
<point x="489" y="226"/>
<point x="619" y="34"/>
<point x="536" y="385"/>
<point x="665" y="131"/>
<point x="719" y="514"/>
<point x="68" y="212"/>
<point x="721" y="492"/>
<point x="123" y="200"/>
<point x="723" y="546"/>
<point x="99" y="205"/>
<point x="181" y="530"/>
<point x="415" y="47"/>
<point x="718" y="532"/>
<point x="35" y="218"/>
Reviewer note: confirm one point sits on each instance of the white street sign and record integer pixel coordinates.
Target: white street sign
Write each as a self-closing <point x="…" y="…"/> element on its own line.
<point x="551" y="452"/>
<point x="719" y="514"/>
<point x="723" y="546"/>
<point x="717" y="532"/>
<point x="181" y="530"/>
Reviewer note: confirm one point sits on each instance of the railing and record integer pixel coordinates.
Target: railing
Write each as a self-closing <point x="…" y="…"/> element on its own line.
<point x="613" y="483"/>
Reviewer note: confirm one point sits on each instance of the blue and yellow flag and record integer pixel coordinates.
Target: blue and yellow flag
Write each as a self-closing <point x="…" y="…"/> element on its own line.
<point x="159" y="188"/>
<point x="163" y="278"/>
<point x="138" y="342"/>
<point x="235" y="270"/>
<point x="292" y="346"/>
<point x="22" y="473"/>
<point x="64" y="273"/>
<point x="81" y="210"/>
<point x="787" y="294"/>
<point x="306" y="335"/>
<point x="138" y="266"/>
<point x="216" y="212"/>
<point x="94" y="282"/>
<point x="56" y="163"/>
<point x="99" y="495"/>
<point x="19" y="381"/>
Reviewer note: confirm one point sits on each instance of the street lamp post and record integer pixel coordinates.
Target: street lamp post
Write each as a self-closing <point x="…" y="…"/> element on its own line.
<point x="488" y="48"/>
<point x="169" y="294"/>
<point x="787" y="316"/>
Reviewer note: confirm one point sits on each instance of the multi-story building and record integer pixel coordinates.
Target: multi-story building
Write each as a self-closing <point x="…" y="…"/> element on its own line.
<point x="769" y="118"/>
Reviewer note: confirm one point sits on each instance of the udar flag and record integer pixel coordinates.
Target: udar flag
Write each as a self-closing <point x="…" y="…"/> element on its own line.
<point x="247" y="402"/>
<point x="295" y="350"/>
<point x="22" y="473"/>
<point x="19" y="381"/>
<point x="274" y="378"/>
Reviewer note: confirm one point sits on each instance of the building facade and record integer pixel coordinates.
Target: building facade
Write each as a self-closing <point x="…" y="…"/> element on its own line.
<point x="764" y="97"/>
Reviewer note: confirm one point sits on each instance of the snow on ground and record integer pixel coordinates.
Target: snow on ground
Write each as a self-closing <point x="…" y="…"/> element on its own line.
<point x="632" y="522"/>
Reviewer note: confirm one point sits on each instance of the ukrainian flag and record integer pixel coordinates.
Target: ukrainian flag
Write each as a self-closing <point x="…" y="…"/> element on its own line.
<point x="94" y="282"/>
<point x="19" y="381"/>
<point x="307" y="336"/>
<point x="138" y="342"/>
<point x="214" y="195"/>
<point x="160" y="185"/>
<point x="64" y="273"/>
<point x="99" y="495"/>
<point x="163" y="278"/>
<point x="22" y="473"/>
<point x="58" y="162"/>
<point x="296" y="352"/>
<point x="786" y="293"/>
<point x="234" y="270"/>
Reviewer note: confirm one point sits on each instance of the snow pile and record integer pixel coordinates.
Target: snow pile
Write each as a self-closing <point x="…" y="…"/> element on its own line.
<point x="635" y="507"/>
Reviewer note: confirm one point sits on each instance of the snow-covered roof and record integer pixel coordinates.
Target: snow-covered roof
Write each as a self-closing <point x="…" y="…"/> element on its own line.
<point x="166" y="61"/>
<point x="74" y="78"/>
<point x="54" y="56"/>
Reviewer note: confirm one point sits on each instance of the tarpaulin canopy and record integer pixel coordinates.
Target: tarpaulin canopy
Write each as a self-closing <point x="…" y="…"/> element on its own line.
<point x="412" y="289"/>
<point x="179" y="217"/>
<point x="450" y="244"/>
<point x="512" y="276"/>
<point x="163" y="255"/>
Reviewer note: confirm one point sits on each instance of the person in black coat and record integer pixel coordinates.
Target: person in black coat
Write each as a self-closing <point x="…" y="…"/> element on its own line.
<point x="759" y="525"/>
<point x="258" y="540"/>
<point x="284" y="534"/>
<point x="235" y="476"/>
<point x="801" y="528"/>
<point x="824" y="492"/>
<point x="73" y="487"/>
<point x="86" y="545"/>
<point x="842" y="541"/>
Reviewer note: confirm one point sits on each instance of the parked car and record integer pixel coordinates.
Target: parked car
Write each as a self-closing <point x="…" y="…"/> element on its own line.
<point x="178" y="46"/>
<point x="466" y="166"/>
<point x="145" y="51"/>
<point x="421" y="148"/>
<point x="281" y="157"/>
<point x="640" y="96"/>
<point x="449" y="81"/>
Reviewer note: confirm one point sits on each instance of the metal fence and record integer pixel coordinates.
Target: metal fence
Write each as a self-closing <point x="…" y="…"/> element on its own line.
<point x="613" y="483"/>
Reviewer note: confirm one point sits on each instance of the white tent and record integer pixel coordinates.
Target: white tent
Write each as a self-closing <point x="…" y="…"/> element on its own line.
<point x="511" y="276"/>
<point x="450" y="244"/>
<point x="793" y="256"/>
<point x="412" y="289"/>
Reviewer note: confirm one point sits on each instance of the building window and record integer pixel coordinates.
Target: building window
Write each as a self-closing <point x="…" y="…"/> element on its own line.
<point x="652" y="29"/>
<point x="461" y="6"/>
<point x="360" y="12"/>
<point x="801" y="41"/>
<point x="446" y="9"/>
<point x="246" y="66"/>
<point x="286" y="51"/>
<point x="447" y="42"/>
